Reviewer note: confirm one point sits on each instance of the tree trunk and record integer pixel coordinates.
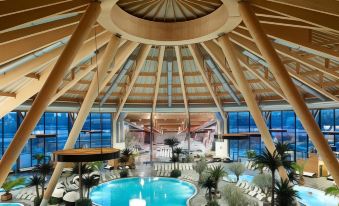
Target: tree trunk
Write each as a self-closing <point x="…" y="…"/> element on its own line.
<point x="80" y="182"/>
<point x="37" y="191"/>
<point x="43" y="186"/>
<point x="273" y="186"/>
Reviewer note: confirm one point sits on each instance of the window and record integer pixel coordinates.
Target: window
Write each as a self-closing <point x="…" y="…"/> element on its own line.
<point x="62" y="129"/>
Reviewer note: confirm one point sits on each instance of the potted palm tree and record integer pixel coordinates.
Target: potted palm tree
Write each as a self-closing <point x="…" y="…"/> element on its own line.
<point x="90" y="181"/>
<point x="44" y="169"/>
<point x="8" y="185"/>
<point x="272" y="162"/>
<point x="171" y="142"/>
<point x="36" y="181"/>
<point x="216" y="173"/>
<point x="286" y="195"/>
<point x="208" y="183"/>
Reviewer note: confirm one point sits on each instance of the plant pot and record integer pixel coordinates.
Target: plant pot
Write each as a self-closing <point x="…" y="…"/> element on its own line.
<point x="6" y="197"/>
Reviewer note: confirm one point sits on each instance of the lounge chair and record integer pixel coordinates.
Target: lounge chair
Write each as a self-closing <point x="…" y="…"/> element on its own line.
<point x="330" y="178"/>
<point x="309" y="174"/>
<point x="260" y="196"/>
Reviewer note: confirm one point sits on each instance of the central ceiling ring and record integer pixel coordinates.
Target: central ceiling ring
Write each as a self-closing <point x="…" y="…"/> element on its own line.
<point x="223" y="20"/>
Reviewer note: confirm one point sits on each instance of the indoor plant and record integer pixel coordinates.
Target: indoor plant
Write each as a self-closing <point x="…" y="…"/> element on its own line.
<point x="9" y="185"/>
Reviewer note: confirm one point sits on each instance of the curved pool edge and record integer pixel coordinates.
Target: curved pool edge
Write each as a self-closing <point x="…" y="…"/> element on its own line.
<point x="190" y="183"/>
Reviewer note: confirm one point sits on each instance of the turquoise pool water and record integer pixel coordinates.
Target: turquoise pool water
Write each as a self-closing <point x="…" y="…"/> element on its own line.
<point x="11" y="204"/>
<point x="143" y="192"/>
<point x="313" y="197"/>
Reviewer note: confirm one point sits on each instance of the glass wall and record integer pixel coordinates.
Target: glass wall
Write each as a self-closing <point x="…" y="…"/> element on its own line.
<point x="53" y="129"/>
<point x="285" y="127"/>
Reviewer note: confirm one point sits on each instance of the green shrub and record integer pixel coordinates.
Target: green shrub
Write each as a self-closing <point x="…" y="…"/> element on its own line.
<point x="212" y="203"/>
<point x="123" y="173"/>
<point x="175" y="173"/>
<point x="37" y="201"/>
<point x="54" y="201"/>
<point x="83" y="202"/>
<point x="235" y="197"/>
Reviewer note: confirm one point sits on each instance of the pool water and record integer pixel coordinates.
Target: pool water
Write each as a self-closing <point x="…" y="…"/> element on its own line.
<point x="233" y="178"/>
<point x="11" y="204"/>
<point x="143" y="192"/>
<point x="314" y="197"/>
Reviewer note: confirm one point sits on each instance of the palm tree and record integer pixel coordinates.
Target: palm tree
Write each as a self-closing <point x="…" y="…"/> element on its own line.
<point x="216" y="173"/>
<point x="44" y="169"/>
<point x="85" y="168"/>
<point x="273" y="162"/>
<point x="38" y="157"/>
<point x="237" y="169"/>
<point x="208" y="183"/>
<point x="171" y="142"/>
<point x="90" y="181"/>
<point x="282" y="149"/>
<point x="123" y="160"/>
<point x="36" y="181"/>
<point x="285" y="193"/>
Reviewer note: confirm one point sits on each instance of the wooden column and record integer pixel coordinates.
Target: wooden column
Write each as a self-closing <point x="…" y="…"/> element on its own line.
<point x="85" y="109"/>
<point x="289" y="89"/>
<point x="248" y="95"/>
<point x="49" y="89"/>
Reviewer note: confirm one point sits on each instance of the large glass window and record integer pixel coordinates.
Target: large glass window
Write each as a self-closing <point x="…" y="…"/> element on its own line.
<point x="62" y="129"/>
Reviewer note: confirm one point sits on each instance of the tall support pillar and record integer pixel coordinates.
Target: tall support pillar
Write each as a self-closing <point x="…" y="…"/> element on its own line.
<point x="225" y="131"/>
<point x="289" y="89"/>
<point x="49" y="89"/>
<point x="188" y="135"/>
<point x="246" y="91"/>
<point x="85" y="109"/>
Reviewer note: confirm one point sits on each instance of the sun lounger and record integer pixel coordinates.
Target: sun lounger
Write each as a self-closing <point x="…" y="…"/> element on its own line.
<point x="260" y="196"/>
<point x="309" y="174"/>
<point x="330" y="178"/>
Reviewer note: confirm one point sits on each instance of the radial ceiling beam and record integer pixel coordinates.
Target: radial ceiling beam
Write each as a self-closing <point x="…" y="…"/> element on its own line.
<point x="34" y="86"/>
<point x="285" y="51"/>
<point x="297" y="38"/>
<point x="16" y="35"/>
<point x="259" y="76"/>
<point x="15" y="18"/>
<point x="32" y="44"/>
<point x="199" y="64"/>
<point x="289" y="89"/>
<point x="91" y="95"/>
<point x="38" y="62"/>
<point x="329" y="7"/>
<point x="141" y="60"/>
<point x="251" y="47"/>
<point x="328" y="22"/>
<point x="182" y="80"/>
<point x="215" y="52"/>
<point x="249" y="97"/>
<point x="48" y="90"/>
<point x="157" y="84"/>
<point x="123" y="53"/>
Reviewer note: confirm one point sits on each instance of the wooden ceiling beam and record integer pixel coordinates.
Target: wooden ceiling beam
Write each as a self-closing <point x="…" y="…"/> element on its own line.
<point x="199" y="65"/>
<point x="15" y="35"/>
<point x="141" y="59"/>
<point x="16" y="18"/>
<point x="159" y="70"/>
<point x="250" y="46"/>
<point x="182" y="80"/>
<point x="322" y="20"/>
<point x="34" y="86"/>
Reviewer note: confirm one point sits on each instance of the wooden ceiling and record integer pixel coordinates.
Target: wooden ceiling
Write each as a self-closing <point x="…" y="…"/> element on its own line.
<point x="304" y="33"/>
<point x="169" y="10"/>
